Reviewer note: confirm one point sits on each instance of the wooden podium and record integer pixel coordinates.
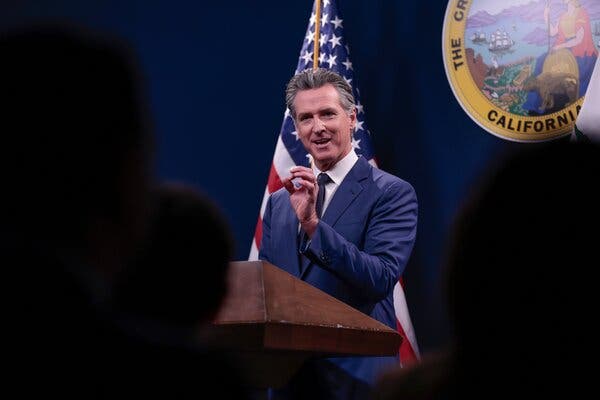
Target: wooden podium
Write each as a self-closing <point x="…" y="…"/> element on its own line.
<point x="272" y="322"/>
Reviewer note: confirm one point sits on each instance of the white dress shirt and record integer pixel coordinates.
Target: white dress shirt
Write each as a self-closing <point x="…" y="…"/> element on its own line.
<point x="337" y="175"/>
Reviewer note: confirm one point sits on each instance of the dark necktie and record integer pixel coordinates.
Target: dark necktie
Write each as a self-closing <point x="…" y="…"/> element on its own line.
<point x="322" y="180"/>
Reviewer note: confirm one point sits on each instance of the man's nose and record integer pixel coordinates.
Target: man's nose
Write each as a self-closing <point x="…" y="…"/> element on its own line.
<point x="318" y="125"/>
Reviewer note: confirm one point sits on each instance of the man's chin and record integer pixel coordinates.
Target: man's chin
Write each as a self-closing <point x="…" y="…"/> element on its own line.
<point x="323" y="163"/>
<point x="322" y="152"/>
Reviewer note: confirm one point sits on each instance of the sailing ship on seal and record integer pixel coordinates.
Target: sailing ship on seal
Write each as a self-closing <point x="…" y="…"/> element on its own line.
<point x="500" y="40"/>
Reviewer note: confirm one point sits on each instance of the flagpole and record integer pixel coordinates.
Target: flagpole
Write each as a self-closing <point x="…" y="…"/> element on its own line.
<point x="317" y="33"/>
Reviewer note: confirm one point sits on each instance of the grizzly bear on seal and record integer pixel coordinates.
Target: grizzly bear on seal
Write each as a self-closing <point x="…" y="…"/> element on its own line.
<point x="556" y="89"/>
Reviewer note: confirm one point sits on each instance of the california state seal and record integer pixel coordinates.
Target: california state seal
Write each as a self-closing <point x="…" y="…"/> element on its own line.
<point x="520" y="68"/>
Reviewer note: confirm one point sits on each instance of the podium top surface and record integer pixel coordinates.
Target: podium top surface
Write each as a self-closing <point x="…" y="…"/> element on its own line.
<point x="268" y="309"/>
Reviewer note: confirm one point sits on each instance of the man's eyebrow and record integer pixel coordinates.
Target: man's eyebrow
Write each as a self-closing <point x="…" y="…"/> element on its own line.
<point x="319" y="111"/>
<point x="327" y="109"/>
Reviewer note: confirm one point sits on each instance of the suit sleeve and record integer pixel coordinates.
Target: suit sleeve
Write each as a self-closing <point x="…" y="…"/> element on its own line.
<point x="390" y="236"/>
<point x="264" y="252"/>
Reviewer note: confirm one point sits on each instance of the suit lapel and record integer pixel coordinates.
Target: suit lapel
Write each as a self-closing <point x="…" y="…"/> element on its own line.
<point x="349" y="189"/>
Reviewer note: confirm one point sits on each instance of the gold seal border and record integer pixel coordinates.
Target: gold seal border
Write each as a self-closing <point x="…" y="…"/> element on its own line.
<point x="490" y="117"/>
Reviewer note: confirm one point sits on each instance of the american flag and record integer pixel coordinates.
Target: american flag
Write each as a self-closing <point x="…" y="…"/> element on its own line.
<point x="326" y="27"/>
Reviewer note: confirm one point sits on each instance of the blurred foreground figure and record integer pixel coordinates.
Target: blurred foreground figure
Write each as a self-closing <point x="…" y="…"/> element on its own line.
<point x="179" y="278"/>
<point x="520" y="284"/>
<point x="75" y="167"/>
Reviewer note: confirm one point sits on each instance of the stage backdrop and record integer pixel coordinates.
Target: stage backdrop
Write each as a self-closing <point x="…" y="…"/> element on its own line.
<point x="217" y="72"/>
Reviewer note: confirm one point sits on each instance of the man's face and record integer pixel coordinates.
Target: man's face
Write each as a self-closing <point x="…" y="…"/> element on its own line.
<point x="323" y="126"/>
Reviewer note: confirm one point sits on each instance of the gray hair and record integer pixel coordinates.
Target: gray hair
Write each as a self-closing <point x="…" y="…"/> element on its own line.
<point x="314" y="79"/>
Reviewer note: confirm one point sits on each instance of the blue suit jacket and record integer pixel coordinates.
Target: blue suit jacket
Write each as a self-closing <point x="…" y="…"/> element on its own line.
<point x="357" y="254"/>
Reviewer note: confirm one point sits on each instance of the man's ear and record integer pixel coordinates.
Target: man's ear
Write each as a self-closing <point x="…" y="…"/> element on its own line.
<point x="352" y="117"/>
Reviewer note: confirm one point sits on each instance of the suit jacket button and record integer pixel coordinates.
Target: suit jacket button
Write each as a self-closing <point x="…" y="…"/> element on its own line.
<point x="324" y="258"/>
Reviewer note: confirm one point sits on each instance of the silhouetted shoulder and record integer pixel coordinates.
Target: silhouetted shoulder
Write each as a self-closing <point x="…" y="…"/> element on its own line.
<point x="428" y="379"/>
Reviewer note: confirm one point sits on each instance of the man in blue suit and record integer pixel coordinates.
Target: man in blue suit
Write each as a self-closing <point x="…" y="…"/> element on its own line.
<point x="352" y="243"/>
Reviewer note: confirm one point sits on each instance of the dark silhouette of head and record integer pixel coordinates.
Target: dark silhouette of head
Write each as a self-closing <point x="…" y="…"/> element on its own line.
<point x="76" y="168"/>
<point x="520" y="269"/>
<point x="519" y="279"/>
<point x="180" y="276"/>
<point x="76" y="140"/>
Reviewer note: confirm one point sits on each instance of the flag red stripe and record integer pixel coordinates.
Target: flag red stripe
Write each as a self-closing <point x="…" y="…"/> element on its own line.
<point x="274" y="182"/>
<point x="406" y="353"/>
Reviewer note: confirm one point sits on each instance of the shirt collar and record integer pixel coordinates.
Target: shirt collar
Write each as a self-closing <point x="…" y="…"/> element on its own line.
<point x="341" y="168"/>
